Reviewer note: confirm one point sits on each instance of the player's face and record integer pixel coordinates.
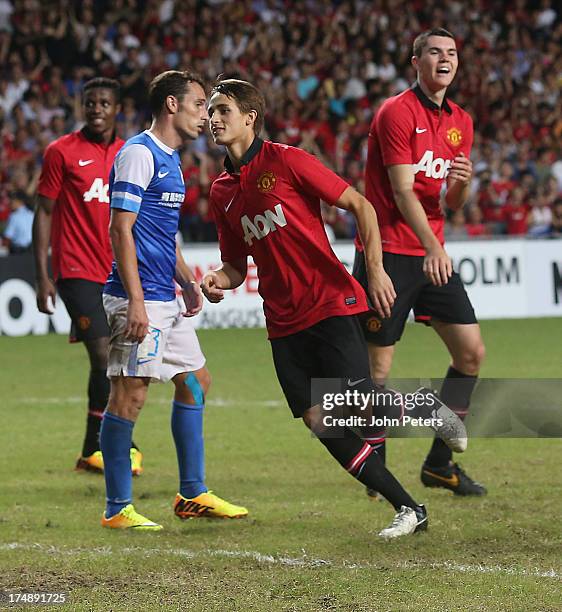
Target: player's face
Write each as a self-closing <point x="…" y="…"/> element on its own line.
<point x="227" y="123"/>
<point x="192" y="115"/>
<point x="438" y="63"/>
<point x="100" y="109"/>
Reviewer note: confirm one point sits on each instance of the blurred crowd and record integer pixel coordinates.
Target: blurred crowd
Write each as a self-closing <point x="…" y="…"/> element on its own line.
<point x="324" y="67"/>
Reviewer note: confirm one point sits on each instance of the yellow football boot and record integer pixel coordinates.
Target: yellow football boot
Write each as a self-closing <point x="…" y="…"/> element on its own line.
<point x="129" y="518"/>
<point x="93" y="463"/>
<point x="207" y="505"/>
<point x="136" y="462"/>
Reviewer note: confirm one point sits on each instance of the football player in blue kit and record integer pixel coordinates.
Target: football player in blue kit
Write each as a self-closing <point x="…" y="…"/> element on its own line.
<point x="152" y="337"/>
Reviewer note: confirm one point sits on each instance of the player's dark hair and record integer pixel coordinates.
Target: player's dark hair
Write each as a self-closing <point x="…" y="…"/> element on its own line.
<point x="104" y="83"/>
<point x="247" y="97"/>
<point x="170" y="83"/>
<point x="421" y="41"/>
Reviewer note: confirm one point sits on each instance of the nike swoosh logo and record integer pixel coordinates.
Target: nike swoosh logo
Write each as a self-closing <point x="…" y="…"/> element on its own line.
<point x="421" y="130"/>
<point x="452" y="480"/>
<point x="162" y="174"/>
<point x="82" y="162"/>
<point x="229" y="204"/>
<point x="142" y="361"/>
<point x="352" y="383"/>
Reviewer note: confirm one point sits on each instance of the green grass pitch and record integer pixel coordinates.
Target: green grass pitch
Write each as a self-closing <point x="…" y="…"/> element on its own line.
<point x="310" y="541"/>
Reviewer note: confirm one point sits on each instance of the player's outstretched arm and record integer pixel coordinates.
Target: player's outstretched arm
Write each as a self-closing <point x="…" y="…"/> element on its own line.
<point x="124" y="251"/>
<point x="229" y="276"/>
<point x="381" y="289"/>
<point x="45" y="287"/>
<point x="191" y="291"/>
<point x="458" y="182"/>
<point x="437" y="264"/>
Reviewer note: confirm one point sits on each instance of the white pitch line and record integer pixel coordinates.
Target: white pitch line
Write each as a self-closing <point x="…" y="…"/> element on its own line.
<point x="304" y="561"/>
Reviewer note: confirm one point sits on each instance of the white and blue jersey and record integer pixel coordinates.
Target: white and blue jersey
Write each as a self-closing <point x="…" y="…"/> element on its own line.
<point x="146" y="179"/>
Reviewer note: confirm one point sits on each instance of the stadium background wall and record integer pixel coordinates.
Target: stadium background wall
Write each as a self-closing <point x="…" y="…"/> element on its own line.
<point x="504" y="278"/>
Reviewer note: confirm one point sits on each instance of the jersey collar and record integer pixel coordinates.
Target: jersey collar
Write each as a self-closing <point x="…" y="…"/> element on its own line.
<point x="159" y="143"/>
<point x="84" y="133"/>
<point x="430" y="103"/>
<point x="254" y="149"/>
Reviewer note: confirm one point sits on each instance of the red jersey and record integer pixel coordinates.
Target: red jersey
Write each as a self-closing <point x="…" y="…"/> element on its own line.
<point x="271" y="211"/>
<point x="515" y="216"/>
<point x="76" y="174"/>
<point x="411" y="129"/>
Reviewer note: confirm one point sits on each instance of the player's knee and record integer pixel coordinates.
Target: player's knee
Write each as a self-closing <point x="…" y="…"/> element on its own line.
<point x="126" y="399"/>
<point x="205" y="379"/>
<point x="479" y="354"/>
<point x="135" y="402"/>
<point x="379" y="373"/>
<point x="194" y="389"/>
<point x="98" y="360"/>
<point x="98" y="350"/>
<point x="472" y="358"/>
<point x="312" y="418"/>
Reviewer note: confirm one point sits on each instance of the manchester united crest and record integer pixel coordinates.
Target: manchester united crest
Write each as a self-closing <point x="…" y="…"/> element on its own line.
<point x="266" y="182"/>
<point x="454" y="136"/>
<point x="84" y="323"/>
<point x="373" y="324"/>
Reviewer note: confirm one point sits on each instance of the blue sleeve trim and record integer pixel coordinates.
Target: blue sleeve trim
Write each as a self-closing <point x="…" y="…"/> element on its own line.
<point x="123" y="204"/>
<point x="126" y="187"/>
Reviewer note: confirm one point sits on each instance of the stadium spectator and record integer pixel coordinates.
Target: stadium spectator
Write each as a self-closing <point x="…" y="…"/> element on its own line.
<point x="490" y="204"/>
<point x="516" y="213"/>
<point x="474" y="224"/>
<point x="455" y="227"/>
<point x="504" y="184"/>
<point x="540" y="215"/>
<point x="17" y="234"/>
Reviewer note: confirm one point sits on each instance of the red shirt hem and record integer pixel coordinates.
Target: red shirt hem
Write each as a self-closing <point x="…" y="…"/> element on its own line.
<point x="279" y="331"/>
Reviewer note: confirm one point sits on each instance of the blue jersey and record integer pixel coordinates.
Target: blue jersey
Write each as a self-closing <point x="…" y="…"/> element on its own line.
<point x="146" y="179"/>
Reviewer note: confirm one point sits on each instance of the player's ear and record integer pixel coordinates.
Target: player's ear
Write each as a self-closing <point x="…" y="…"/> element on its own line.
<point x="171" y="104"/>
<point x="414" y="62"/>
<point x="251" y="117"/>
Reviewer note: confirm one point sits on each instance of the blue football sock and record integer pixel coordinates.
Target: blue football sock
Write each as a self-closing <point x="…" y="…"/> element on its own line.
<point x="187" y="429"/>
<point x="115" y="443"/>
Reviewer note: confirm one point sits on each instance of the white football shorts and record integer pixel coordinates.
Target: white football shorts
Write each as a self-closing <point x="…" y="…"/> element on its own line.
<point x="170" y="347"/>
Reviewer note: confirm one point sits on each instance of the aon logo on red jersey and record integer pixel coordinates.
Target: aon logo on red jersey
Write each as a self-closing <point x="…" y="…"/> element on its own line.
<point x="262" y="224"/>
<point x="432" y="168"/>
<point x="98" y="191"/>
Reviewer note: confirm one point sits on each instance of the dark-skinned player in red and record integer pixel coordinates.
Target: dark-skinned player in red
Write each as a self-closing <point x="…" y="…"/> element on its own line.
<point x="72" y="217"/>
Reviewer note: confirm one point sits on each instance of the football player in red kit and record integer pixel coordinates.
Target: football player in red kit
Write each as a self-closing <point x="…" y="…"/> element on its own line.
<point x="72" y="216"/>
<point x="267" y="205"/>
<point x="419" y="144"/>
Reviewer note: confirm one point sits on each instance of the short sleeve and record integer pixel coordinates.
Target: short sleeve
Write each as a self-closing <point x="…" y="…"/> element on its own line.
<point x="133" y="170"/>
<point x="311" y="176"/>
<point x="52" y="173"/>
<point x="393" y="129"/>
